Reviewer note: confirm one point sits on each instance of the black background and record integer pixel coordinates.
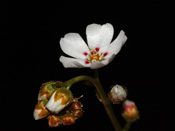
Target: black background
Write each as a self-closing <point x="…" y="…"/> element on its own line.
<point x="143" y="65"/>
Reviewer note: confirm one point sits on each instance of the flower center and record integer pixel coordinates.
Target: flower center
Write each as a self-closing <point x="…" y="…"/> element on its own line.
<point x="94" y="56"/>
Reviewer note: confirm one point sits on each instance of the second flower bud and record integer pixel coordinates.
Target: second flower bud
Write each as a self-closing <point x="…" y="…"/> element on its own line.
<point x="117" y="94"/>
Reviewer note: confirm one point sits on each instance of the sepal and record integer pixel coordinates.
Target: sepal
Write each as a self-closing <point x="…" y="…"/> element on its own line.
<point x="46" y="90"/>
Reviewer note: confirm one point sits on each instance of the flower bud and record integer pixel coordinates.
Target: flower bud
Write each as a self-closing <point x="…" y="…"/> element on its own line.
<point x="54" y="121"/>
<point x="76" y="105"/>
<point x="59" y="99"/>
<point x="130" y="111"/>
<point x="40" y="111"/>
<point x="46" y="91"/>
<point x="68" y="120"/>
<point x="77" y="113"/>
<point x="117" y="94"/>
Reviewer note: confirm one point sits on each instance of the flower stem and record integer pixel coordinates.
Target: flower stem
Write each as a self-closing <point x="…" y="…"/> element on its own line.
<point x="96" y="76"/>
<point x="106" y="103"/>
<point x="95" y="81"/>
<point x="127" y="126"/>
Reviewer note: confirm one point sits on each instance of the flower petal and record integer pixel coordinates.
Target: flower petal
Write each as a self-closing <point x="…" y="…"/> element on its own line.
<point x="99" y="64"/>
<point x="116" y="45"/>
<point x="36" y="114"/>
<point x="54" y="106"/>
<point x="118" y="42"/>
<point x="72" y="44"/>
<point x="73" y="63"/>
<point x="99" y="35"/>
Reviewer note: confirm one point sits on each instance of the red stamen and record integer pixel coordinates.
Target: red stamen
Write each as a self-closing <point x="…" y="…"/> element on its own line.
<point x="97" y="49"/>
<point x="105" y="54"/>
<point x="86" y="62"/>
<point x="85" y="53"/>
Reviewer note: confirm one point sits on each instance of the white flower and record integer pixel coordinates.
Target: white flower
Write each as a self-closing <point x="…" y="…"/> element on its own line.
<point x="99" y="52"/>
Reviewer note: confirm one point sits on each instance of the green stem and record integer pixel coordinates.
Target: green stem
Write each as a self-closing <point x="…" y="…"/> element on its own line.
<point x="96" y="76"/>
<point x="101" y="92"/>
<point x="127" y="126"/>
<point x="106" y="103"/>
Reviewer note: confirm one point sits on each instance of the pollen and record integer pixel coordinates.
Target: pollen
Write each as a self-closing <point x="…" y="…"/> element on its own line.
<point x="95" y="55"/>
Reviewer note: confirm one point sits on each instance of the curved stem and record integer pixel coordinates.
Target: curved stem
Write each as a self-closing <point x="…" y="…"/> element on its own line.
<point x="98" y="96"/>
<point x="101" y="92"/>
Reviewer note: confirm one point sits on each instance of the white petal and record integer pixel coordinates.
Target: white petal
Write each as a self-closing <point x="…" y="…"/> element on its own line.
<point x="50" y="102"/>
<point x="57" y="107"/>
<point x="117" y="43"/>
<point x="99" y="35"/>
<point x="72" y="44"/>
<point x="36" y="114"/>
<point x="118" y="92"/>
<point x="99" y="64"/>
<point x="96" y="65"/>
<point x="54" y="106"/>
<point x="73" y="63"/>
